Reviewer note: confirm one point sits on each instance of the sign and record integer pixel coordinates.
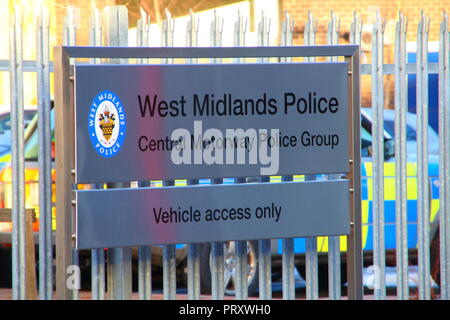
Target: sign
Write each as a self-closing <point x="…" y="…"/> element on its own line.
<point x="144" y="122"/>
<point x="147" y="216"/>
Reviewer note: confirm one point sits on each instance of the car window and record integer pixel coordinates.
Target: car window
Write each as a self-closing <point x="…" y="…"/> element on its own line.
<point x="389" y="126"/>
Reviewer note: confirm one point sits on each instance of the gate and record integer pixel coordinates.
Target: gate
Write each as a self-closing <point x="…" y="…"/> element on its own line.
<point x="113" y="271"/>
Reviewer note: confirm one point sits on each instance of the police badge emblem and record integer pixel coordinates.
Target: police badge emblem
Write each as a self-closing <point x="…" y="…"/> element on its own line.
<point x="107" y="123"/>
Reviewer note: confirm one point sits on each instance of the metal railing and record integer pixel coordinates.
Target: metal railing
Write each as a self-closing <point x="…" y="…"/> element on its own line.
<point x="112" y="24"/>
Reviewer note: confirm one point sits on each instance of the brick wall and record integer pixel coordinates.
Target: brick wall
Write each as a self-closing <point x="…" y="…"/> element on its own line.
<point x="366" y="8"/>
<point x="298" y="9"/>
<point x="389" y="9"/>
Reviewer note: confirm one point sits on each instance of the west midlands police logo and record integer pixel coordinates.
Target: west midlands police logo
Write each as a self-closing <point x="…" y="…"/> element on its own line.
<point x="107" y="123"/>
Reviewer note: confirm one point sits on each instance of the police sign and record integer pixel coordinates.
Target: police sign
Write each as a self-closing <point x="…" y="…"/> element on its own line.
<point x="137" y="122"/>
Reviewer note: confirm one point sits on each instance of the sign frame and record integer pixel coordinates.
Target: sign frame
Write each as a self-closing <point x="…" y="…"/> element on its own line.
<point x="65" y="137"/>
<point x="204" y="213"/>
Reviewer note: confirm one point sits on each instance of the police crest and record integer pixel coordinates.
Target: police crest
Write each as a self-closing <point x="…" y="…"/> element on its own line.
<point x="107" y="123"/>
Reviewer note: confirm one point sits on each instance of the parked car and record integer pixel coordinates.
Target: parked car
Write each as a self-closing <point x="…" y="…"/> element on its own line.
<point x="367" y="215"/>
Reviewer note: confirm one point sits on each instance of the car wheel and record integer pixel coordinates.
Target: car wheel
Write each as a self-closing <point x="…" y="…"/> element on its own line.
<point x="230" y="268"/>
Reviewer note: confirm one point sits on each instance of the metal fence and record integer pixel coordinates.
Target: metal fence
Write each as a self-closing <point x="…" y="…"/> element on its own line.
<point x="111" y="273"/>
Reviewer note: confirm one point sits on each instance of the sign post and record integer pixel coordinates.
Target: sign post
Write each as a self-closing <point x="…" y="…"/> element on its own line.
<point x="151" y="122"/>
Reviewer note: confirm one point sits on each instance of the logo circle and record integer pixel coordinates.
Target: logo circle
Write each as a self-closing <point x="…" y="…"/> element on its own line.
<point x="107" y="123"/>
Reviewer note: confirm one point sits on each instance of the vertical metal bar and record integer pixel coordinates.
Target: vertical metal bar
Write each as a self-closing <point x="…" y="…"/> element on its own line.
<point x="101" y="274"/>
<point x="265" y="269"/>
<point x="400" y="159"/>
<point x="264" y="245"/>
<point x="95" y="31"/>
<point x="378" y="159"/>
<point x="119" y="273"/>
<point x="333" y="33"/>
<point x="288" y="261"/>
<point x="142" y="32"/>
<point x="334" y="268"/>
<point x="419" y="101"/>
<point x="216" y="29"/>
<point x="169" y="261"/>
<point x="240" y="29"/>
<point x="115" y="28"/>
<point x="169" y="268"/>
<point x="241" y="268"/>
<point x="217" y="248"/>
<point x="193" y="258"/>
<point x="423" y="210"/>
<point x="97" y="255"/>
<point x="144" y="252"/>
<point x="218" y="265"/>
<point x="334" y="261"/>
<point x="144" y="264"/>
<point x="217" y="270"/>
<point x="167" y="29"/>
<point x="169" y="264"/>
<point x="262" y="34"/>
<point x="241" y="273"/>
<point x="17" y="156"/>
<point x="310" y="34"/>
<point x="312" y="282"/>
<point x="311" y="242"/>
<point x="356" y="29"/>
<point x="94" y="275"/>
<point x="70" y="40"/>
<point x="444" y="157"/>
<point x="44" y="159"/>
<point x="145" y="284"/>
<point x="98" y="274"/>
<point x="288" y="266"/>
<point x="288" y="255"/>
<point x="47" y="189"/>
<point x="192" y="33"/>
<point x="287" y="34"/>
<point x="69" y="28"/>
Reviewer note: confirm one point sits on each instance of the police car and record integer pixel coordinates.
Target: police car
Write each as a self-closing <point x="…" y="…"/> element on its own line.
<point x="367" y="215"/>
